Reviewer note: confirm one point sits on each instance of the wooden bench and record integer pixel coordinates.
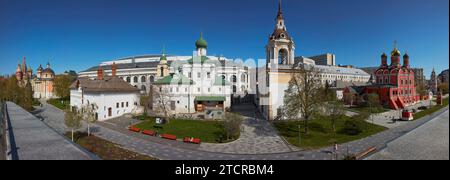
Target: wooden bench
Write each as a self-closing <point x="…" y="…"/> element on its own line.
<point x="169" y="136"/>
<point x="192" y="140"/>
<point x="365" y="153"/>
<point x="149" y="132"/>
<point x="134" y="129"/>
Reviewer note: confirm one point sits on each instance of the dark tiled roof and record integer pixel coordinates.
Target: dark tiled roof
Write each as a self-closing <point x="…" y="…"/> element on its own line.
<point x="108" y="84"/>
<point x="126" y="66"/>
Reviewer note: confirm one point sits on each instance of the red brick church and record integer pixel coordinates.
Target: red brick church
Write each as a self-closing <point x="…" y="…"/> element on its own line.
<point x="394" y="84"/>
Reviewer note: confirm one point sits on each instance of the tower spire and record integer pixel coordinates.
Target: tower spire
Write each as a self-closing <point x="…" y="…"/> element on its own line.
<point x="280" y="11"/>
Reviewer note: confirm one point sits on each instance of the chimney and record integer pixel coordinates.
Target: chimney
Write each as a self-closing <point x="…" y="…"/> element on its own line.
<point x="114" y="69"/>
<point x="100" y="73"/>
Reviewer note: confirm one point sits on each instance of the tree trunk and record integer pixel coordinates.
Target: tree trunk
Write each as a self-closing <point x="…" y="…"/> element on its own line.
<point x="334" y="125"/>
<point x="89" y="131"/>
<point x="72" y="135"/>
<point x="306" y="125"/>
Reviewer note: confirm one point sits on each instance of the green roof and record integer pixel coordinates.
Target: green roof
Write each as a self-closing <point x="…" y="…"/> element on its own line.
<point x="221" y="81"/>
<point x="210" y="98"/>
<point x="163" y="58"/>
<point x="197" y="59"/>
<point x="171" y="80"/>
<point x="201" y="43"/>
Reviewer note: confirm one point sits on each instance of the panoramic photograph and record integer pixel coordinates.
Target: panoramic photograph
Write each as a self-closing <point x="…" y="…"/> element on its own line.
<point x="255" y="81"/>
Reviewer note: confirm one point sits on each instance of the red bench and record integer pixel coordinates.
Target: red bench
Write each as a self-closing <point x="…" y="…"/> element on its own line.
<point x="169" y="136"/>
<point x="149" y="132"/>
<point x="192" y="140"/>
<point x="134" y="129"/>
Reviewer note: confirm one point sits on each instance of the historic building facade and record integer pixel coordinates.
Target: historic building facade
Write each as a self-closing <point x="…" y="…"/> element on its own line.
<point x="110" y="95"/>
<point x="394" y="84"/>
<point x="280" y="60"/>
<point x="41" y="82"/>
<point x="143" y="71"/>
<point x="433" y="83"/>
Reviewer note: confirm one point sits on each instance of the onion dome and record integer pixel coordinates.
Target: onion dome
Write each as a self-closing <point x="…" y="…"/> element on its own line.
<point x="406" y="55"/>
<point x="395" y="52"/>
<point x="201" y="43"/>
<point x="40" y="69"/>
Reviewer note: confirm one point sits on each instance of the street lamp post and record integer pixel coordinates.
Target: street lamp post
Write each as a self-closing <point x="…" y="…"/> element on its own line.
<point x="299" y="135"/>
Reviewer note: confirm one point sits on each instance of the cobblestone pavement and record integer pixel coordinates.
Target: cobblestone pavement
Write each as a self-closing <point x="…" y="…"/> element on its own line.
<point x="428" y="142"/>
<point x="258" y="136"/>
<point x="33" y="140"/>
<point x="173" y="150"/>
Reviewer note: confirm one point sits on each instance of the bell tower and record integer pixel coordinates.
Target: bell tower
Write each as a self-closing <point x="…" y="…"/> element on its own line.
<point x="280" y="49"/>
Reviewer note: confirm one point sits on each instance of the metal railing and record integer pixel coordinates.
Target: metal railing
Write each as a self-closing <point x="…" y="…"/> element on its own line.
<point x="2" y="132"/>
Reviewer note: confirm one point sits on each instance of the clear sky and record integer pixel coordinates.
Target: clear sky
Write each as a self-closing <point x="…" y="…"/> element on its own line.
<point x="78" y="34"/>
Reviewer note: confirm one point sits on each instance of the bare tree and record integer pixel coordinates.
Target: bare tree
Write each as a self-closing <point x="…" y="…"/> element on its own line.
<point x="334" y="110"/>
<point x="163" y="102"/>
<point x="88" y="113"/>
<point x="302" y="96"/>
<point x="72" y="120"/>
<point x="232" y="123"/>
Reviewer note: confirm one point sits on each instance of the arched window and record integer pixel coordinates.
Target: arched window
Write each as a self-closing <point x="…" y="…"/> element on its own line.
<point x="162" y="71"/>
<point x="143" y="79"/>
<point x="233" y="78"/>
<point x="135" y="79"/>
<point x="152" y="79"/>
<point x="282" y="56"/>
<point x="128" y="79"/>
<point x="143" y="88"/>
<point x="234" y="89"/>
<point x="243" y="78"/>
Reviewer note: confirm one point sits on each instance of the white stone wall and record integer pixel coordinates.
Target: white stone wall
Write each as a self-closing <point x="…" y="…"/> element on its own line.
<point x="106" y="100"/>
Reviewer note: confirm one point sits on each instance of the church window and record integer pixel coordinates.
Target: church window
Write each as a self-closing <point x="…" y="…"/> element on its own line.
<point x="152" y="79"/>
<point x="162" y="71"/>
<point x="143" y="79"/>
<point x="282" y="57"/>
<point x="135" y="79"/>
<point x="233" y="79"/>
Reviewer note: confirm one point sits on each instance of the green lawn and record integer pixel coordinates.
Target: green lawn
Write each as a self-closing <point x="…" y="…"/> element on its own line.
<point x="61" y="105"/>
<point x="207" y="131"/>
<point x="375" y="110"/>
<point x="321" y="133"/>
<point x="431" y="110"/>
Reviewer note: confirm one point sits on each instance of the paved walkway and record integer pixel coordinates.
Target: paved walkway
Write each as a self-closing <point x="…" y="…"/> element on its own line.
<point x="172" y="150"/>
<point x="385" y="119"/>
<point x="31" y="139"/>
<point x="258" y="136"/>
<point x="428" y="142"/>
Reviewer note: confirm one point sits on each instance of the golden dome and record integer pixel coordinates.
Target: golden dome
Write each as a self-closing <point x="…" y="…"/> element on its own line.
<point x="395" y="52"/>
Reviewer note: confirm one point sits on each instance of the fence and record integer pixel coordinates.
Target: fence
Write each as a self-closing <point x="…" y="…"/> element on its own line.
<point x="2" y="133"/>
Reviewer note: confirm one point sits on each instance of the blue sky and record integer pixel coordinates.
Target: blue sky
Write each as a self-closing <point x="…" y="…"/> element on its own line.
<point x="78" y="34"/>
